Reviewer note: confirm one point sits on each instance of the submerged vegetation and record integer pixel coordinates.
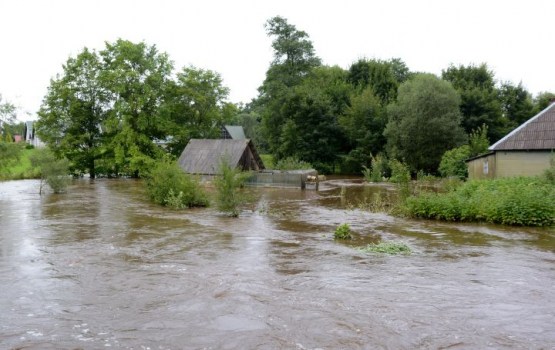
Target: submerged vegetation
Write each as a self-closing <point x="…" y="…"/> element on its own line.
<point x="51" y="170"/>
<point x="342" y="231"/>
<point x="168" y="185"/>
<point x="228" y="186"/>
<point x="391" y="247"/>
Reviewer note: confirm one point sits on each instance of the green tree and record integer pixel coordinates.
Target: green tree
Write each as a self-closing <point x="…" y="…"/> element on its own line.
<point x="294" y="58"/>
<point x="73" y="113"/>
<point x="53" y="170"/>
<point x="480" y="103"/>
<point x="453" y="162"/>
<point x="478" y="141"/>
<point x="424" y="122"/>
<point x="228" y="186"/>
<point x="9" y="155"/>
<point x="516" y="103"/>
<point x="135" y="75"/>
<point x="195" y="107"/>
<point x="542" y="101"/>
<point x="7" y="111"/>
<point x="363" y="123"/>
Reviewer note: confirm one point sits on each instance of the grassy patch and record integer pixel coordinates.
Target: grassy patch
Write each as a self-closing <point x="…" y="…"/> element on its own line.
<point x="22" y="169"/>
<point x="521" y="201"/>
<point x="268" y="161"/>
<point x="391" y="248"/>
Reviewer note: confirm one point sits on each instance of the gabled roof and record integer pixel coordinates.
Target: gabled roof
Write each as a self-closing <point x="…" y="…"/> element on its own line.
<point x="538" y="133"/>
<point x="234" y="132"/>
<point x="203" y="156"/>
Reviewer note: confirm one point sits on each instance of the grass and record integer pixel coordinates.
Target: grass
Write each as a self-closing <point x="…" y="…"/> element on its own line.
<point x="391" y="248"/>
<point x="342" y="232"/>
<point x="268" y="161"/>
<point x="22" y="169"/>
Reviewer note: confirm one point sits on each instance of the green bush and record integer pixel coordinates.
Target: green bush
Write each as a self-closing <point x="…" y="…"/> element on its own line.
<point x="510" y="201"/>
<point x="228" y="185"/>
<point x="343" y="231"/>
<point x="52" y="170"/>
<point x="168" y="185"/>
<point x="453" y="162"/>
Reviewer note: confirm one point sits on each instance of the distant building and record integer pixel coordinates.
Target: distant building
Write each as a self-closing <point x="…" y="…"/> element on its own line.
<point x="29" y="135"/>
<point x="525" y="151"/>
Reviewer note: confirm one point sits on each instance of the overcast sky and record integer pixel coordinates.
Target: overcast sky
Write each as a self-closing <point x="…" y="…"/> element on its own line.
<point x="515" y="38"/>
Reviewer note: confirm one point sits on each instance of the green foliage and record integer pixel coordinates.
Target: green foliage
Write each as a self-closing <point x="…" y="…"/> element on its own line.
<point x="168" y="185"/>
<point x="379" y="170"/>
<point x="229" y="183"/>
<point x="478" y="141"/>
<point x="9" y="155"/>
<point x="391" y="248"/>
<point x="7" y="111"/>
<point x="292" y="163"/>
<point x="53" y="170"/>
<point x="424" y="123"/>
<point x="342" y="231"/>
<point x="453" y="162"/>
<point x="480" y="102"/>
<point x="510" y="201"/>
<point x="400" y="174"/>
<point x="516" y="103"/>
<point x="268" y="161"/>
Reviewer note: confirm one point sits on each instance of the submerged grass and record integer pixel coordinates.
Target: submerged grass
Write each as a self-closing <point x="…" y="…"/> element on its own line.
<point x="390" y="247"/>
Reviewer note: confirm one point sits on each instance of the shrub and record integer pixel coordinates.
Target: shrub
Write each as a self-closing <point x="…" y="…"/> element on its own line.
<point x="168" y="185"/>
<point x="343" y="231"/>
<point x="53" y="171"/>
<point x="228" y="186"/>
<point x="453" y="162"/>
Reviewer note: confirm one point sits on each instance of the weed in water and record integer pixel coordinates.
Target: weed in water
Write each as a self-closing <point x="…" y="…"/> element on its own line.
<point x="392" y="248"/>
<point x="343" y="232"/>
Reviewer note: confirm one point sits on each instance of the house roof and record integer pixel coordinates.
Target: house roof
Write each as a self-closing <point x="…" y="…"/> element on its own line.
<point x="538" y="133"/>
<point x="236" y="132"/>
<point x="203" y="156"/>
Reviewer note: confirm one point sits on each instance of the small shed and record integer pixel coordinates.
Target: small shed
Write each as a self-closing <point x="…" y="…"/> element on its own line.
<point x="525" y="151"/>
<point x="203" y="156"/>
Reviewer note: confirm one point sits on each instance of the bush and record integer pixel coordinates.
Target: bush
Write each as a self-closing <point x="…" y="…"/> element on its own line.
<point x="168" y="185"/>
<point x="53" y="171"/>
<point x="453" y="162"/>
<point x="343" y="232"/>
<point x="228" y="186"/>
<point x="510" y="201"/>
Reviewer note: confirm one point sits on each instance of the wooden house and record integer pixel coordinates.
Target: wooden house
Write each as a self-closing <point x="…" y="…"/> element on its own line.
<point x="203" y="156"/>
<point x="525" y="151"/>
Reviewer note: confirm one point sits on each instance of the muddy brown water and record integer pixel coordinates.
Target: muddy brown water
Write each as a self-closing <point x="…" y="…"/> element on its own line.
<point x="100" y="267"/>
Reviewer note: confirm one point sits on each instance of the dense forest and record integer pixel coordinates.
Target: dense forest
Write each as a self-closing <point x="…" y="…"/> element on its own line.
<point x="115" y="111"/>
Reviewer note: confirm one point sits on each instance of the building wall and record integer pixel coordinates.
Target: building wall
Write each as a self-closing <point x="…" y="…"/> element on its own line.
<point x="509" y="163"/>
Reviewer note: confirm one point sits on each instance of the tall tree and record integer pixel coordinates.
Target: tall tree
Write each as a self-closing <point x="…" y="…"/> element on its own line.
<point x="424" y="122"/>
<point x="195" y="107"/>
<point x="7" y="111"/>
<point x="74" y="111"/>
<point x="516" y="103"/>
<point x="383" y="77"/>
<point x="363" y="123"/>
<point x="543" y="100"/>
<point x="294" y="58"/>
<point x="480" y="102"/>
<point x="136" y="76"/>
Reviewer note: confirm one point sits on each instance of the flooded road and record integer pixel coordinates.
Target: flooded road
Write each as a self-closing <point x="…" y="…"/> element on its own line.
<point x="100" y="267"/>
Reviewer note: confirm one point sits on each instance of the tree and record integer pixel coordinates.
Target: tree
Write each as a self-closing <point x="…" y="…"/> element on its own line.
<point x="7" y="111"/>
<point x="480" y="102"/>
<point x="195" y="107"/>
<point x="294" y="58"/>
<point x="516" y="103"/>
<point x="383" y="77"/>
<point x="363" y="124"/>
<point x="542" y="101"/>
<point x="74" y="111"/>
<point x="53" y="170"/>
<point x="135" y="75"/>
<point x="424" y="122"/>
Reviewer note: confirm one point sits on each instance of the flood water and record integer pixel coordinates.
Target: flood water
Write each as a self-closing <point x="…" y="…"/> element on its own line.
<point x="100" y="267"/>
